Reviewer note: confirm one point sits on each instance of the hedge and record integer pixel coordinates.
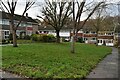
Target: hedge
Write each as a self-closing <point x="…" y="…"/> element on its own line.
<point x="43" y="38"/>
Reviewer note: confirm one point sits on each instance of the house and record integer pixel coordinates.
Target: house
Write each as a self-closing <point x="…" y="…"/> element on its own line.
<point x="64" y="32"/>
<point x="87" y="36"/>
<point x="106" y="38"/>
<point x="28" y="25"/>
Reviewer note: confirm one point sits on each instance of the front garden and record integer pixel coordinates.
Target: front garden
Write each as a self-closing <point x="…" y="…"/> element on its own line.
<point x="52" y="60"/>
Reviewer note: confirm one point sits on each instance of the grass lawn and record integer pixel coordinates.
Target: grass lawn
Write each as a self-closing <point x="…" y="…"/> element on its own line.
<point x="24" y="41"/>
<point x="51" y="60"/>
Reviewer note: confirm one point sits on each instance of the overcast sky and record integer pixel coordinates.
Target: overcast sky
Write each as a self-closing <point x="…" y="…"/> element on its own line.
<point x="35" y="10"/>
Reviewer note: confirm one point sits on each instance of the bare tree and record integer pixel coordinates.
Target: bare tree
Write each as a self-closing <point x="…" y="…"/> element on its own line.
<point x="102" y="19"/>
<point x="56" y="14"/>
<point x="10" y="7"/>
<point x="99" y="21"/>
<point x="77" y="17"/>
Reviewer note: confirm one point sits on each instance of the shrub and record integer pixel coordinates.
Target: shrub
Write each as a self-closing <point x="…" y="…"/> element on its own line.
<point x="43" y="38"/>
<point x="80" y="40"/>
<point x="116" y="44"/>
<point x="3" y="41"/>
<point x="39" y="37"/>
<point x="20" y="36"/>
<point x="27" y="37"/>
<point x="11" y="37"/>
<point x="50" y="38"/>
<point x="34" y="37"/>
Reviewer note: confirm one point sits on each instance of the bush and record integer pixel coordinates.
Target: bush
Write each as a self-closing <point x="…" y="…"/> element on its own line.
<point x="3" y="41"/>
<point x="39" y="37"/>
<point x="11" y="37"/>
<point x="27" y="37"/>
<point x="80" y="40"/>
<point x="43" y="38"/>
<point x="51" y="38"/>
<point x="116" y="44"/>
<point x="9" y="41"/>
<point x="34" y="37"/>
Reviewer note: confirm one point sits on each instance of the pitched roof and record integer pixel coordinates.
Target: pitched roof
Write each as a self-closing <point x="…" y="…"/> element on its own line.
<point x="3" y="15"/>
<point x="7" y="27"/>
<point x="51" y="28"/>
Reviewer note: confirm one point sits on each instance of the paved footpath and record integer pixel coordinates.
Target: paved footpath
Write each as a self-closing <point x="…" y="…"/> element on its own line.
<point x="108" y="68"/>
<point x="7" y="75"/>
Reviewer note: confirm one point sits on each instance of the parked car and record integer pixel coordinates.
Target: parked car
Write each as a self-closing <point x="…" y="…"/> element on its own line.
<point x="67" y="39"/>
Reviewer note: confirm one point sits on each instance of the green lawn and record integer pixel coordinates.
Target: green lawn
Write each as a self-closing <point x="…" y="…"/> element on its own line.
<point x="51" y="60"/>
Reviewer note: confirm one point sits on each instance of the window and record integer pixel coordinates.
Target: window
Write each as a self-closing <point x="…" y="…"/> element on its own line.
<point x="112" y="33"/>
<point x="29" y="33"/>
<point x="87" y="32"/>
<point x="85" y="39"/>
<point x="6" y="33"/>
<point x="45" y="31"/>
<point x="93" y="38"/>
<point x="93" y="32"/>
<point x="6" y="37"/>
<point x="99" y="41"/>
<point x="22" y="24"/>
<point x="109" y="33"/>
<point x="110" y="41"/>
<point x="5" y="22"/>
<point x="29" y="24"/>
<point x="0" y="21"/>
<point x="40" y="31"/>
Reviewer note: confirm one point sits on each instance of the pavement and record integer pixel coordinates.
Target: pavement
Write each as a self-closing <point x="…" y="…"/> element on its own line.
<point x="5" y="44"/>
<point x="107" y="68"/>
<point x="4" y="74"/>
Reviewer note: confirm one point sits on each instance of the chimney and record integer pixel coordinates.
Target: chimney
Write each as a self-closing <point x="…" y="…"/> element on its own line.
<point x="26" y="14"/>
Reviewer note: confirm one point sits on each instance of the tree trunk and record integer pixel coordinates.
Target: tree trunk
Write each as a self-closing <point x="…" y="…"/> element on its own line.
<point x="97" y="39"/>
<point x="14" y="39"/>
<point x="73" y="44"/>
<point x="12" y="27"/>
<point x="57" y="36"/>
